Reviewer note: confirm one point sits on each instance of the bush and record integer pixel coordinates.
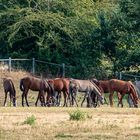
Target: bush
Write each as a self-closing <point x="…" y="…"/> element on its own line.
<point x="30" y="120"/>
<point x="77" y="115"/>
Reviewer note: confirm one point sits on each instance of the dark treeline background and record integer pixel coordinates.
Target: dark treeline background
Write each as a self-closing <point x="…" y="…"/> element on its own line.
<point x="92" y="35"/>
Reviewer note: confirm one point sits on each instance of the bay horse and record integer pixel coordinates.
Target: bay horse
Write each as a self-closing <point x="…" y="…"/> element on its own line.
<point x="8" y="86"/>
<point x="123" y="87"/>
<point x="84" y="86"/>
<point x="34" y="84"/>
<point x="61" y="85"/>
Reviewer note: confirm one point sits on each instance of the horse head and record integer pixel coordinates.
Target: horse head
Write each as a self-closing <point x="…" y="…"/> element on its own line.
<point x="98" y="92"/>
<point x="133" y="94"/>
<point x="73" y="86"/>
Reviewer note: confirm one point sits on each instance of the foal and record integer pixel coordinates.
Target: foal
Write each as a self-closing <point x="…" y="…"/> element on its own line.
<point x="9" y="87"/>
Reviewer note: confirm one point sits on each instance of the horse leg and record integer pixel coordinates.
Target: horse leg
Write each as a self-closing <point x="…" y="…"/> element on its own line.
<point x="25" y="94"/>
<point x="5" y="98"/>
<point x="58" y="98"/>
<point x="43" y="95"/>
<point x="74" y="97"/>
<point x="89" y="100"/>
<point x="14" y="101"/>
<point x="111" y="99"/>
<point x="105" y="101"/>
<point x="84" y="99"/>
<point x="10" y="98"/>
<point x="134" y="102"/>
<point x="129" y="100"/>
<point x="65" y="99"/>
<point x="23" y="99"/>
<point x="119" y="95"/>
<point x="37" y="99"/>
<point x="120" y="99"/>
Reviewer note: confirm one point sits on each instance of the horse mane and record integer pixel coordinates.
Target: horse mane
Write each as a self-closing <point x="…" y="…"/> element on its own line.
<point x="96" y="85"/>
<point x="133" y="90"/>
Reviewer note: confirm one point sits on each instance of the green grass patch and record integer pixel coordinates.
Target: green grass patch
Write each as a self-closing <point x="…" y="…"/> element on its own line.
<point x="77" y="115"/>
<point x="62" y="135"/>
<point x="137" y="128"/>
<point x="30" y="120"/>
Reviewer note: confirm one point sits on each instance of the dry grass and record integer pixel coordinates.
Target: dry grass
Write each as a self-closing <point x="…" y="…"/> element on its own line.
<point x="54" y="123"/>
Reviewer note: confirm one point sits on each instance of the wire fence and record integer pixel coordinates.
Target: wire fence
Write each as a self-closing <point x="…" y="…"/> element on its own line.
<point x="52" y="70"/>
<point x="36" y="67"/>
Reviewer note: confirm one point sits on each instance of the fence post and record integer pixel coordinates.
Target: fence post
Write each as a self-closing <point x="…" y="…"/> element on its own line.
<point x="120" y="75"/>
<point x="9" y="64"/>
<point x="33" y="65"/>
<point x="63" y="70"/>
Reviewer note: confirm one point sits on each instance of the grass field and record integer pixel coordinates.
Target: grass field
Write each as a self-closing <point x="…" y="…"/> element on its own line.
<point x="54" y="123"/>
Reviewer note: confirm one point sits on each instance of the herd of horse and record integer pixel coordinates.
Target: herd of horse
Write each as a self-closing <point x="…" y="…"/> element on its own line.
<point x="50" y="90"/>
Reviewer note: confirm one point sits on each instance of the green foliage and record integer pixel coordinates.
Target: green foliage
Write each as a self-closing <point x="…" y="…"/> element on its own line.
<point x="30" y="120"/>
<point x="77" y="115"/>
<point x="81" y="33"/>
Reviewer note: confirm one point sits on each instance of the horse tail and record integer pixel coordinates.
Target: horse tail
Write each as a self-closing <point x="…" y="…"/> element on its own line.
<point x="21" y="85"/>
<point x="51" y="87"/>
<point x="13" y="87"/>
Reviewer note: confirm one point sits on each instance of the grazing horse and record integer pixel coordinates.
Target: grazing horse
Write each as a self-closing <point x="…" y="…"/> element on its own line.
<point x="103" y="86"/>
<point x="137" y="87"/>
<point x="61" y="85"/>
<point x="34" y="84"/>
<point x="84" y="86"/>
<point x="8" y="86"/>
<point x="122" y="87"/>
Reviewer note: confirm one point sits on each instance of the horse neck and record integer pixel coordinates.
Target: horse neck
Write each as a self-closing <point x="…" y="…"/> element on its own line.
<point x="134" y="92"/>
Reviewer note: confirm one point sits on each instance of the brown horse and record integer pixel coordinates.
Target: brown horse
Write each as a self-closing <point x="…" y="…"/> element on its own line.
<point x="34" y="84"/>
<point x="61" y="85"/>
<point x="8" y="86"/>
<point x="122" y="87"/>
<point x="104" y="87"/>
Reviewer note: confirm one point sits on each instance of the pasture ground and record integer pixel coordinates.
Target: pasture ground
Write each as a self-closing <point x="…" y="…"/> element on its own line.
<point x="54" y="124"/>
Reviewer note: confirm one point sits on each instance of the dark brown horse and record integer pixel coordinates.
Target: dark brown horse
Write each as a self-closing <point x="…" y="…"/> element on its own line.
<point x="8" y="86"/>
<point x="123" y="87"/>
<point x="34" y="84"/>
<point x="61" y="85"/>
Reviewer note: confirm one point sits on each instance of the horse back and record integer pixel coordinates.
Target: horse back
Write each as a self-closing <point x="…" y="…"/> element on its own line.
<point x="31" y="83"/>
<point x="58" y="84"/>
<point x="119" y="86"/>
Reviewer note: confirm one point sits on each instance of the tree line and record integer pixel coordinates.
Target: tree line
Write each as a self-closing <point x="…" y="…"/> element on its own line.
<point x="91" y="35"/>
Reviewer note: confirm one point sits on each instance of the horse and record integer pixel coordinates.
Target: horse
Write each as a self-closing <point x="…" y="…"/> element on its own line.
<point x="34" y="84"/>
<point x="137" y="87"/>
<point x="122" y="87"/>
<point x="61" y="85"/>
<point x="84" y="86"/>
<point x="8" y="86"/>
<point x="103" y="86"/>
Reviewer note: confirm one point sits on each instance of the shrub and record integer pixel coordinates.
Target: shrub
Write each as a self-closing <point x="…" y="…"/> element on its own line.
<point x="30" y="120"/>
<point x="77" y="115"/>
